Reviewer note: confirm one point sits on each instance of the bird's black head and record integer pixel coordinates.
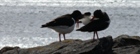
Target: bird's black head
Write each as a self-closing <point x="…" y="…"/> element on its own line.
<point x="98" y="14"/>
<point x="102" y="15"/>
<point x="77" y="15"/>
<point x="87" y="13"/>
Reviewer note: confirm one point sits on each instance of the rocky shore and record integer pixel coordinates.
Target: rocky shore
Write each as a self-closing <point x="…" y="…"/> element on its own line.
<point x="123" y="44"/>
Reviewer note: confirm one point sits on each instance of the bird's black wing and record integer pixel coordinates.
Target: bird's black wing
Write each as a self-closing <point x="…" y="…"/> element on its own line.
<point x="65" y="20"/>
<point x="93" y="26"/>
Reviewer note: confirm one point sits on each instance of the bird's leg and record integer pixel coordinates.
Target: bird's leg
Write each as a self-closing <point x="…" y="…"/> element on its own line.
<point x="93" y="35"/>
<point x="59" y="37"/>
<point x="64" y="36"/>
<point x="97" y="35"/>
<point x="77" y="25"/>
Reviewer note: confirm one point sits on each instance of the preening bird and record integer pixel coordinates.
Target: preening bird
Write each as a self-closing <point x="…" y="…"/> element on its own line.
<point x="99" y="22"/>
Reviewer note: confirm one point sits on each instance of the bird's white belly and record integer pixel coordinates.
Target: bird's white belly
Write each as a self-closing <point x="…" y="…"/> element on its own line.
<point x="85" y="21"/>
<point x="63" y="29"/>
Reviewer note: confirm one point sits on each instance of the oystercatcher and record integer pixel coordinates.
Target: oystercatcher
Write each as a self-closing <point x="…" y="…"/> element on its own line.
<point x="64" y="24"/>
<point x="100" y="21"/>
<point x="86" y="19"/>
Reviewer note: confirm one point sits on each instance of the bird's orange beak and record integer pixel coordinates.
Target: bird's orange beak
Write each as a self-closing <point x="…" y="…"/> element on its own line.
<point x="92" y="18"/>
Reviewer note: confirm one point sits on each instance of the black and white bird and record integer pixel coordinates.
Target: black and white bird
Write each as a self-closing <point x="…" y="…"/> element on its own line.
<point x="100" y="21"/>
<point x="86" y="19"/>
<point x="64" y="24"/>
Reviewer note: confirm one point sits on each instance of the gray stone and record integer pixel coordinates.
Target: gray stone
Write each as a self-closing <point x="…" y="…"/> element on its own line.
<point x="122" y="44"/>
<point x="125" y="40"/>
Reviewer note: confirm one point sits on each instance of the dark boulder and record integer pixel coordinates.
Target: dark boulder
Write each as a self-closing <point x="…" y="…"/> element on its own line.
<point x="125" y="40"/>
<point x="5" y="49"/>
<point x="125" y="44"/>
<point x="104" y="46"/>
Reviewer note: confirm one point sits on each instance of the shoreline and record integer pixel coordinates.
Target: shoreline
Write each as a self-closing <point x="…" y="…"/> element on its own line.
<point x="123" y="44"/>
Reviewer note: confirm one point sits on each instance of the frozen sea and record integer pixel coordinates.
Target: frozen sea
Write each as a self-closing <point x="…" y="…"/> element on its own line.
<point x="20" y="20"/>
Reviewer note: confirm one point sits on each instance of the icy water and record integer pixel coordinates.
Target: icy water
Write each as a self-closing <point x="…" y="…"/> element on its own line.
<point x="20" y="24"/>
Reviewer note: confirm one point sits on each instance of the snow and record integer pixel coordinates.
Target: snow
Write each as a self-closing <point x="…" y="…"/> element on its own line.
<point x="20" y="21"/>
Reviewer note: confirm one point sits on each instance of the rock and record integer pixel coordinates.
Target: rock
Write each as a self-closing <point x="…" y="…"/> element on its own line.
<point x="132" y="49"/>
<point x="102" y="46"/>
<point x="5" y="49"/>
<point x="125" y="40"/>
<point x="123" y="44"/>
